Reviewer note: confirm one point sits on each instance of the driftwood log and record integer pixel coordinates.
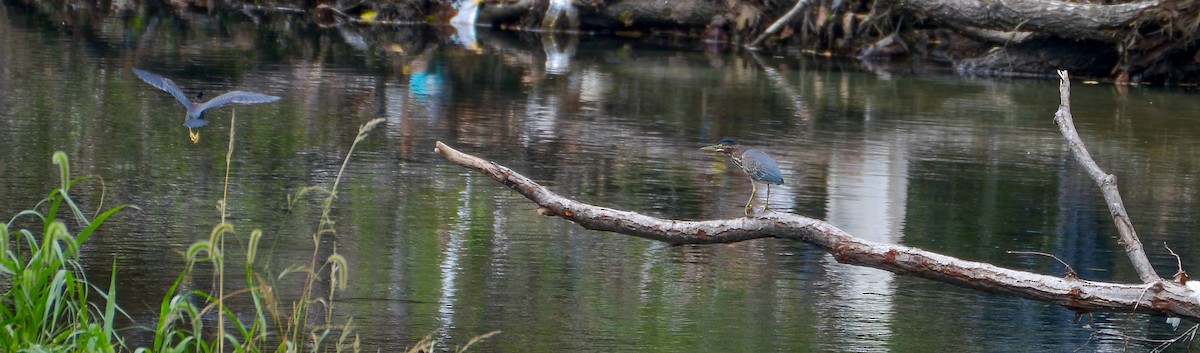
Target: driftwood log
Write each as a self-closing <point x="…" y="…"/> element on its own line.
<point x="1075" y="20"/>
<point x="1154" y="296"/>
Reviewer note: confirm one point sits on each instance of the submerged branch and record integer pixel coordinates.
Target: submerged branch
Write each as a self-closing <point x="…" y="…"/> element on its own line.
<point x="1159" y="297"/>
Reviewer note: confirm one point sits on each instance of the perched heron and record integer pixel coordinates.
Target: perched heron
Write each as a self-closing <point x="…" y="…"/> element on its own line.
<point x="757" y="164"/>
<point x="195" y="111"/>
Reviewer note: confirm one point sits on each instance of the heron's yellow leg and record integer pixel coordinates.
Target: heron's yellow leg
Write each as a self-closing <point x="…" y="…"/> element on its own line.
<point x="753" y="190"/>
<point x="194" y="135"/>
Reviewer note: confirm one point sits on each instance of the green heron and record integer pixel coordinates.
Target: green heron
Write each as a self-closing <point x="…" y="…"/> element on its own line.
<point x="757" y="164"/>
<point x="195" y="111"/>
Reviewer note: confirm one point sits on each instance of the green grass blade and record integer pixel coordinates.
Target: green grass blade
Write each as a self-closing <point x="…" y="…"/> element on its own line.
<point x="110" y="302"/>
<point x="91" y="228"/>
<point x="163" y="331"/>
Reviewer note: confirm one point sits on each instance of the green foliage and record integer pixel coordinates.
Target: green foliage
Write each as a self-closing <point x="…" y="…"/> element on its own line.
<point x="296" y="327"/>
<point x="180" y="327"/>
<point x="46" y="307"/>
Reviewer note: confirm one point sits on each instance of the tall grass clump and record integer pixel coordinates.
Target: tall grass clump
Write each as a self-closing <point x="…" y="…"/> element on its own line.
<point x="181" y="326"/>
<point x="296" y="328"/>
<point x="46" y="305"/>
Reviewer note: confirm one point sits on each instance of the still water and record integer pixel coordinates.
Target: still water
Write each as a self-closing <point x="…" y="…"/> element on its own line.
<point x="913" y="155"/>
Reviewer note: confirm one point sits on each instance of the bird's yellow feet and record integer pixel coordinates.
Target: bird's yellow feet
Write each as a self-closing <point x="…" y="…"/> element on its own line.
<point x="194" y="135"/>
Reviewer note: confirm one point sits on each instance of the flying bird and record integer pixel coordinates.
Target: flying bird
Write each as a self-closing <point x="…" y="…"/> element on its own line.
<point x="195" y="110"/>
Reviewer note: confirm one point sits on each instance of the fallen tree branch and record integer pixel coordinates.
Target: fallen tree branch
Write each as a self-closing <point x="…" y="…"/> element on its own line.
<point x="991" y="35"/>
<point x="775" y="27"/>
<point x="1106" y="182"/>
<point x="1076" y="20"/>
<point x="1158" y="297"/>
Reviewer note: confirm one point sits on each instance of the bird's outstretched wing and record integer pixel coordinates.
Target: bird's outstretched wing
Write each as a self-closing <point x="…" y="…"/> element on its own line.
<point x="240" y="97"/>
<point x="164" y="84"/>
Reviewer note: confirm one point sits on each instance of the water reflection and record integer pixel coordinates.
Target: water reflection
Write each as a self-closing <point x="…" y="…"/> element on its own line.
<point x="558" y="56"/>
<point x="868" y="191"/>
<point x="450" y="260"/>
<point x="970" y="168"/>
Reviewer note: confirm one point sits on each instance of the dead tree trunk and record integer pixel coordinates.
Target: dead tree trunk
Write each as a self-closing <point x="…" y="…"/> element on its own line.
<point x="1134" y="40"/>
<point x="1064" y="19"/>
<point x="1155" y="295"/>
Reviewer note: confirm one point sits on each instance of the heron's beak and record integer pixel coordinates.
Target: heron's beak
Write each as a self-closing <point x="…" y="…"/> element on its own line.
<point x="713" y="148"/>
<point x="194" y="135"/>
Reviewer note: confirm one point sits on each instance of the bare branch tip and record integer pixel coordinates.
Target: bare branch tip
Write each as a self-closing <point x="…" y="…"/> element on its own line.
<point x="1070" y="271"/>
<point x="1181" y="276"/>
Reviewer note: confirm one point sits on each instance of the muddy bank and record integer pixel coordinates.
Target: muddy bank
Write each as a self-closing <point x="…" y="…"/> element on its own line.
<point x="1143" y="42"/>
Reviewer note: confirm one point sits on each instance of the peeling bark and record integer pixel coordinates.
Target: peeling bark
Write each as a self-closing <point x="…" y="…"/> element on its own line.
<point x="1106" y="23"/>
